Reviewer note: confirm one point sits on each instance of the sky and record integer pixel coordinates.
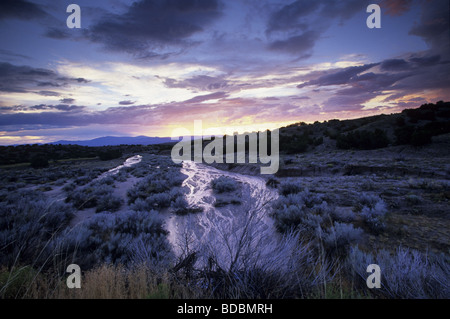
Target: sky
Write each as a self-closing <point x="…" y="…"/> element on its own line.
<point x="149" y="67"/>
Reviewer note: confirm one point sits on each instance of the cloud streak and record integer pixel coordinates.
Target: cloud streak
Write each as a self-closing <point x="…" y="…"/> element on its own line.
<point x="151" y="25"/>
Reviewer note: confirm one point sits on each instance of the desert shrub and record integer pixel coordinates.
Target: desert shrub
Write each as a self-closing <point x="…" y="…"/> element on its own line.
<point x="39" y="161"/>
<point x="365" y="140"/>
<point x="400" y="121"/>
<point x="343" y="215"/>
<point x="83" y="180"/>
<point x="287" y="188"/>
<point x="422" y="113"/>
<point x="224" y="184"/>
<point x="106" y="155"/>
<point x="405" y="274"/>
<point x="139" y="205"/>
<point x="421" y="137"/>
<point x="27" y="223"/>
<point x="159" y="181"/>
<point x="288" y="218"/>
<point x="368" y="199"/>
<point x="284" y="269"/>
<point x="339" y="237"/>
<point x="413" y="199"/>
<point x="108" y="180"/>
<point x="180" y="206"/>
<point x="293" y="144"/>
<point x="159" y="200"/>
<point x="368" y="185"/>
<point x="14" y="283"/>
<point x="94" y="195"/>
<point x="108" y="203"/>
<point x="374" y="216"/>
<point x="318" y="141"/>
<point x="403" y="134"/>
<point x="289" y="200"/>
<point x="121" y="176"/>
<point x="111" y="238"/>
<point x="272" y="182"/>
<point x="302" y="210"/>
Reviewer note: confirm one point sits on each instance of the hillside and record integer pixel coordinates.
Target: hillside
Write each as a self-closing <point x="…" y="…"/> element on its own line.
<point x="412" y="126"/>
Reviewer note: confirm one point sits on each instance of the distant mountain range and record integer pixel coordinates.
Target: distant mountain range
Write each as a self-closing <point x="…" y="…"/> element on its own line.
<point x="118" y="140"/>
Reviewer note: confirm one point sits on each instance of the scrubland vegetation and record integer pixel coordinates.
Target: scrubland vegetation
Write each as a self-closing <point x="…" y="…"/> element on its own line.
<point x="339" y="207"/>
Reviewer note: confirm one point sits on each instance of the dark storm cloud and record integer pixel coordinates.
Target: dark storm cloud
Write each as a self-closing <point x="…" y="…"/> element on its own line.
<point x="14" y="78"/>
<point x="425" y="60"/>
<point x="57" y="33"/>
<point x="296" y="44"/>
<point x="9" y="111"/>
<point x="395" y="7"/>
<point x="206" y="97"/>
<point x="20" y="9"/>
<point x="67" y="101"/>
<point x="434" y="26"/>
<point x="79" y="80"/>
<point x="296" y="27"/>
<point x="149" y="25"/>
<point x="372" y="83"/>
<point x="199" y="82"/>
<point x="43" y="118"/>
<point x="127" y="102"/>
<point x="340" y="76"/>
<point x="394" y="65"/>
<point x="343" y="102"/>
<point x="288" y="17"/>
<point x="10" y="55"/>
<point x="48" y="93"/>
<point x="68" y="108"/>
<point x="403" y="76"/>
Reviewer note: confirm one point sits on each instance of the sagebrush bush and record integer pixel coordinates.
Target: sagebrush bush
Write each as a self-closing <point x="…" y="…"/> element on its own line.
<point x="110" y="238"/>
<point x="224" y="184"/>
<point x="180" y="206"/>
<point x="287" y="188"/>
<point x="108" y="203"/>
<point x="303" y="211"/>
<point x="374" y="216"/>
<point x="340" y="237"/>
<point x="159" y="181"/>
<point x="405" y="274"/>
<point x="27" y="223"/>
<point x="369" y="200"/>
<point x="343" y="215"/>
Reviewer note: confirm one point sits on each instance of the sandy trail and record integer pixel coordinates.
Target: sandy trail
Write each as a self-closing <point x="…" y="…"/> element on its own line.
<point x="119" y="191"/>
<point x="221" y="228"/>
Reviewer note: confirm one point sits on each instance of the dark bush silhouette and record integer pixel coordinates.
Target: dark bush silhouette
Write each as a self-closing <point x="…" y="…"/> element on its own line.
<point x="295" y="144"/>
<point x="403" y="134"/>
<point x="109" y="154"/>
<point x="224" y="184"/>
<point x="39" y="161"/>
<point x="363" y="140"/>
<point x="421" y="138"/>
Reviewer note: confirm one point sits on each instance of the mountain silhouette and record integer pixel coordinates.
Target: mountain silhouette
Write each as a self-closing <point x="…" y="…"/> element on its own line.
<point x="117" y="140"/>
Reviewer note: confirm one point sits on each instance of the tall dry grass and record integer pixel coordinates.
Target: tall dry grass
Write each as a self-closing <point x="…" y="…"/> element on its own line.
<point x="103" y="282"/>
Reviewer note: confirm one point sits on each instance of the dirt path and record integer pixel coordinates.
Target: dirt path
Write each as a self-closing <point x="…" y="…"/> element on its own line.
<point x="221" y="228"/>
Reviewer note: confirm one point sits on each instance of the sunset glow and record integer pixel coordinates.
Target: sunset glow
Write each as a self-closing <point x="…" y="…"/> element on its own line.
<point x="238" y="64"/>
